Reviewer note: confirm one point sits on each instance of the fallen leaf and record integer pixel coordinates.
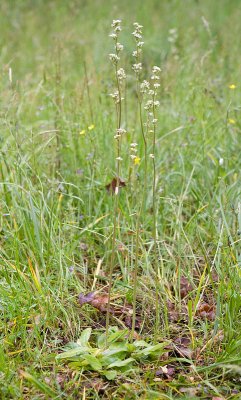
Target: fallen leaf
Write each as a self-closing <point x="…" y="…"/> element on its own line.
<point x="191" y="391"/>
<point x="185" y="287"/>
<point x="207" y="311"/>
<point x="100" y="302"/>
<point x="176" y="315"/>
<point x="111" y="187"/>
<point x="217" y="398"/>
<point x="181" y="347"/>
<point x="166" y="371"/>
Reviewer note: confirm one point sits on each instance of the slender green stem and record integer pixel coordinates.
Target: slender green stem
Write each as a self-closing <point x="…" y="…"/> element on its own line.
<point x="116" y="204"/>
<point x="154" y="210"/>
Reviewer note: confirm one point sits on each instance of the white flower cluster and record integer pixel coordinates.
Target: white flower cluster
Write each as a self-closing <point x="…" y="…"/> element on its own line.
<point x="119" y="47"/>
<point x="150" y="104"/>
<point x="172" y="39"/>
<point x="144" y="86"/>
<point x="137" y="66"/>
<point x="119" y="133"/>
<point x="116" y="97"/>
<point x="114" y="58"/>
<point x="116" y="25"/>
<point x="138" y="34"/>
<point x="155" y="73"/>
<point x="133" y="149"/>
<point x="173" y="35"/>
<point x="121" y="74"/>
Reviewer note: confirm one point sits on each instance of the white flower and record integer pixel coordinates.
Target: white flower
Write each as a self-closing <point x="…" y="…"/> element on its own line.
<point x="137" y="67"/>
<point x="149" y="105"/>
<point x="137" y="26"/>
<point x="140" y="44"/>
<point x="114" y="58"/>
<point x="135" y="54"/>
<point x="156" y="85"/>
<point x="155" y="77"/>
<point x="115" y="96"/>
<point x="137" y="35"/>
<point x="120" y="131"/>
<point x="115" y="23"/>
<point x="144" y="86"/>
<point x="151" y="156"/>
<point x="133" y="144"/>
<point x="119" y="158"/>
<point x="156" y="69"/>
<point x="221" y="161"/>
<point x="121" y="74"/>
<point x="113" y="35"/>
<point x="119" y="47"/>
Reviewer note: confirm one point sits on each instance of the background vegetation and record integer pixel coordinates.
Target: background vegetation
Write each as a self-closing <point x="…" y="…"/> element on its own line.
<point x="56" y="215"/>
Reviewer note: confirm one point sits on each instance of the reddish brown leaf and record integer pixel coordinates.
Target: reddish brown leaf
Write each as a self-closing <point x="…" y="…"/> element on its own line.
<point x="166" y="371"/>
<point x="182" y="347"/>
<point x="176" y="315"/>
<point x="173" y="314"/>
<point x="100" y="302"/>
<point x="207" y="311"/>
<point x="217" y="398"/>
<point x="185" y="287"/>
<point x="112" y="186"/>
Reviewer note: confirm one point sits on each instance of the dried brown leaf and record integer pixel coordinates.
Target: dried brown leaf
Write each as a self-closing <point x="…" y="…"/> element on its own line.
<point x="166" y="371"/>
<point x="111" y="187"/>
<point x="100" y="302"/>
<point x="185" y="287"/>
<point x="207" y="311"/>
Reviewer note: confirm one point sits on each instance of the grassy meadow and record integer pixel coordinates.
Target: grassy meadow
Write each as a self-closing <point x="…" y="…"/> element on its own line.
<point x="120" y="221"/>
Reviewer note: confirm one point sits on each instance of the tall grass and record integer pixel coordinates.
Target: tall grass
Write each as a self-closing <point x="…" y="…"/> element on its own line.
<point x="178" y="215"/>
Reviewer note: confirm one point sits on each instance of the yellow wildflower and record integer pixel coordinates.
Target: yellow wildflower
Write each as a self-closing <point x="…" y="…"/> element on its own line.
<point x="82" y="132"/>
<point x="231" y="121"/>
<point x="232" y="86"/>
<point x="91" y="127"/>
<point x="137" y="160"/>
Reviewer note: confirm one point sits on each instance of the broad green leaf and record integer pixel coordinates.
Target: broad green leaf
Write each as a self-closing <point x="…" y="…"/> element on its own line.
<point x="85" y="336"/>
<point x="140" y="343"/>
<point x="110" y="375"/>
<point x="157" y="348"/>
<point x="115" y="348"/>
<point x="121" y="363"/>
<point x="114" y="337"/>
<point x="72" y="353"/>
<point x="93" y="362"/>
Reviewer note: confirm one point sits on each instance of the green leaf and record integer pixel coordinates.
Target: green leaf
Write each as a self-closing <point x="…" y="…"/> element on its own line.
<point x="115" y="348"/>
<point x="85" y="336"/>
<point x="114" y="335"/>
<point x="121" y="363"/>
<point x="43" y="387"/>
<point x="93" y="362"/>
<point x="110" y="375"/>
<point x="72" y="353"/>
<point x="140" y="343"/>
<point x="157" y="348"/>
